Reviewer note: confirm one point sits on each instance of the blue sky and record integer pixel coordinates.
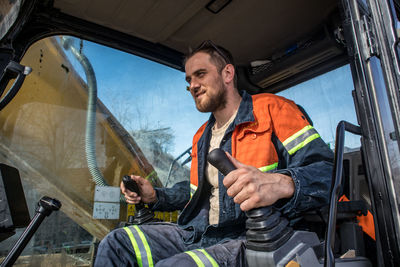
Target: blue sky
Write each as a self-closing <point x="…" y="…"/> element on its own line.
<point x="146" y="95"/>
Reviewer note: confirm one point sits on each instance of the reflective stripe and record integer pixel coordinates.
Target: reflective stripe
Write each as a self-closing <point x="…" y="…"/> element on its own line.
<point x="212" y="261"/>
<point x="304" y="143"/>
<point x="140" y="246"/>
<point x="135" y="246"/>
<point x="202" y="258"/>
<point x="269" y="167"/>
<point x="291" y="138"/>
<point x="193" y="189"/>
<point x="195" y="258"/>
<point x="300" y="139"/>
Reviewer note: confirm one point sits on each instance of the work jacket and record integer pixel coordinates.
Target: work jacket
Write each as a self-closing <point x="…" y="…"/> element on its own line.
<point x="270" y="133"/>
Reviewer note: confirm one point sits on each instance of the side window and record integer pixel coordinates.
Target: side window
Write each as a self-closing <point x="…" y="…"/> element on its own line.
<point x="86" y="116"/>
<point x="150" y="102"/>
<point x="327" y="99"/>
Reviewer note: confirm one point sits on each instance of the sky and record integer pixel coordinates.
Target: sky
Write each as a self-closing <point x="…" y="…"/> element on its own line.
<point x="146" y="95"/>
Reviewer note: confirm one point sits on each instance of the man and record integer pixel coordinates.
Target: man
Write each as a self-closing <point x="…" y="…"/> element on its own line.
<point x="280" y="158"/>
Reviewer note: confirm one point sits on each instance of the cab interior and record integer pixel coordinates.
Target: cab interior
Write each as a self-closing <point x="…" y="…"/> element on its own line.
<point x="277" y="45"/>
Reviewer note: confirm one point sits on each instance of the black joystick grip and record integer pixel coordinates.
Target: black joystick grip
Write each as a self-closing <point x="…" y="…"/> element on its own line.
<point x="220" y="160"/>
<point x="143" y="214"/>
<point x="266" y="230"/>
<point x="130" y="184"/>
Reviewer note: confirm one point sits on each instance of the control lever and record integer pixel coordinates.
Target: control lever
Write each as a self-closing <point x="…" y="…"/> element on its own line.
<point x="267" y="230"/>
<point x="46" y="206"/>
<point x="270" y="241"/>
<point x="143" y="214"/>
<point x="220" y="160"/>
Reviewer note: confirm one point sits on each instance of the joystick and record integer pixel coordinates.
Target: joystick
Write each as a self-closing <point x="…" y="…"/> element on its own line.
<point x="143" y="214"/>
<point x="266" y="229"/>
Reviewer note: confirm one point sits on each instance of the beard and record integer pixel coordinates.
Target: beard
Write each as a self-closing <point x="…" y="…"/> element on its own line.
<point x="213" y="100"/>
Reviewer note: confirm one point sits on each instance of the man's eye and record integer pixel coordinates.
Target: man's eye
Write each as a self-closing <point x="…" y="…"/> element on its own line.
<point x="201" y="74"/>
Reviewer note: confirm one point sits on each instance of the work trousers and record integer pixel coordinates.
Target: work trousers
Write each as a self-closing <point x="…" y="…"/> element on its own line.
<point x="161" y="244"/>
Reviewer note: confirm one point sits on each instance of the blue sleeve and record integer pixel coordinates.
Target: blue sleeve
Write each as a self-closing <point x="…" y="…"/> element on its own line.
<point x="174" y="198"/>
<point x="311" y="170"/>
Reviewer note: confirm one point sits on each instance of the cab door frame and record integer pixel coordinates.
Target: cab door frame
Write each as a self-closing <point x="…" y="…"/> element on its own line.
<point x="369" y="27"/>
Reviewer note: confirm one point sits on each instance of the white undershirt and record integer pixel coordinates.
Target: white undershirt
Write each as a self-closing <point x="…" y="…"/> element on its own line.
<point x="212" y="173"/>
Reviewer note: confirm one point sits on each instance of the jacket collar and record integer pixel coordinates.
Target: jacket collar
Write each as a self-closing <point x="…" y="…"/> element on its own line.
<point x="244" y="114"/>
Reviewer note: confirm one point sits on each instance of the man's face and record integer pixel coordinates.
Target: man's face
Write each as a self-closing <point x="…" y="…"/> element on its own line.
<point x="205" y="83"/>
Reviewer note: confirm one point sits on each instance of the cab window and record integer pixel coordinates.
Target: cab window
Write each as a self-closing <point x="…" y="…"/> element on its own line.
<point x="71" y="128"/>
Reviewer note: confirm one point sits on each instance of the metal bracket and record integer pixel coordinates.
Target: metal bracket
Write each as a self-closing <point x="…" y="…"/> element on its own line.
<point x="370" y="46"/>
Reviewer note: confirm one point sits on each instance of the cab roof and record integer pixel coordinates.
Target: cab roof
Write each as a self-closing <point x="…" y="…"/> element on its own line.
<point x="275" y="44"/>
<point x="251" y="29"/>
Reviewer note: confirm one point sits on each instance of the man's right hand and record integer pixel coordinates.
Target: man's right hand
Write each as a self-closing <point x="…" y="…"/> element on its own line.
<point x="147" y="192"/>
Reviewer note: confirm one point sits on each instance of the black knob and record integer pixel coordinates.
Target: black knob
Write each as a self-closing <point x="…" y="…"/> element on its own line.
<point x="220" y="160"/>
<point x="130" y="184"/>
<point x="143" y="214"/>
<point x="46" y="205"/>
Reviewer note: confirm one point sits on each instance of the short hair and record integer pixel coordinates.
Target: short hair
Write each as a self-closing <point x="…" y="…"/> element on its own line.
<point x="220" y="56"/>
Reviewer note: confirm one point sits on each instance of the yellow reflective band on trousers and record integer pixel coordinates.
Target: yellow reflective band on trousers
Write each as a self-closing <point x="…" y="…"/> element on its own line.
<point x="269" y="167"/>
<point x="300" y="139"/>
<point x="202" y="258"/>
<point x="193" y="189"/>
<point x="140" y="246"/>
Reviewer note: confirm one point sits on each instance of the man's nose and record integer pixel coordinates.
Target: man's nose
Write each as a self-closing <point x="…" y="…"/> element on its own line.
<point x="194" y="85"/>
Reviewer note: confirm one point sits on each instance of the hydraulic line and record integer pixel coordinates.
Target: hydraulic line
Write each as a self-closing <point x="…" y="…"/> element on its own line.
<point x="90" y="134"/>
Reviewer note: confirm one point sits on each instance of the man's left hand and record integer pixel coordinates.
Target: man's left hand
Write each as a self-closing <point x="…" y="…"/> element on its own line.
<point x="251" y="188"/>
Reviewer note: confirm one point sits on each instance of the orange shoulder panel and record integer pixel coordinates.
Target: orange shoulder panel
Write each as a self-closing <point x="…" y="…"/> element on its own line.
<point x="287" y="118"/>
<point x="194" y="166"/>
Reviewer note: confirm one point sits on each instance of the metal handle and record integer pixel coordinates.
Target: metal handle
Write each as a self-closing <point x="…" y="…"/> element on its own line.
<point x="13" y="70"/>
<point x="46" y="206"/>
<point x="336" y="185"/>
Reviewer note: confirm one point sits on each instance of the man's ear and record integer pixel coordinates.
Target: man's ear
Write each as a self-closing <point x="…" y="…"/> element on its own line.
<point x="228" y="73"/>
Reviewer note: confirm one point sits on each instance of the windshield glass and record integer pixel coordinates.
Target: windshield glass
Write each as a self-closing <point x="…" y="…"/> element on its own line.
<point x="86" y="116"/>
<point x="149" y="100"/>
